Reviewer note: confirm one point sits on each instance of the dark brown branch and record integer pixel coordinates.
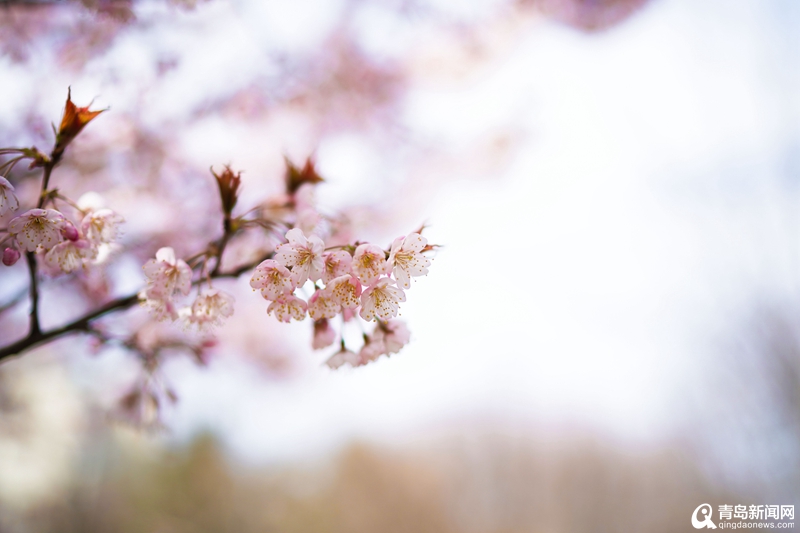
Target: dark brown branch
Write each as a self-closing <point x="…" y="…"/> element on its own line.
<point x="34" y="294"/>
<point x="82" y="324"/>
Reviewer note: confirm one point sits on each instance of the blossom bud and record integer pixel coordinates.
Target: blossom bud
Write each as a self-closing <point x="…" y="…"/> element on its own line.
<point x="324" y="334"/>
<point x="228" y="183"/>
<point x="296" y="176"/>
<point x="10" y="256"/>
<point x="70" y="232"/>
<point x="75" y="118"/>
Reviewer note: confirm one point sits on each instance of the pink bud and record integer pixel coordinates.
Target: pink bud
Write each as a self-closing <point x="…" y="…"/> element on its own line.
<point x="10" y="256"/>
<point x="324" y="334"/>
<point x="70" y="232"/>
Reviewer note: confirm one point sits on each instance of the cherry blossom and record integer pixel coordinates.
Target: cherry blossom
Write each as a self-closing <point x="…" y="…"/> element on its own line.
<point x="167" y="275"/>
<point x="161" y="308"/>
<point x="394" y="334"/>
<point x="336" y="264"/>
<point x="101" y="226"/>
<point x="210" y="308"/>
<point x="273" y="279"/>
<point x="322" y="304"/>
<point x="288" y="307"/>
<point x="303" y="254"/>
<point x="343" y="356"/>
<point x="346" y="291"/>
<point x="406" y="258"/>
<point x="369" y="263"/>
<point x="69" y="255"/>
<point x="37" y="228"/>
<point x="8" y="200"/>
<point x="372" y="349"/>
<point x="324" y="334"/>
<point x="381" y="300"/>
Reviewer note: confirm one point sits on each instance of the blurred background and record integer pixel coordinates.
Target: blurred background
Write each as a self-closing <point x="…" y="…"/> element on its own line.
<point x="609" y="337"/>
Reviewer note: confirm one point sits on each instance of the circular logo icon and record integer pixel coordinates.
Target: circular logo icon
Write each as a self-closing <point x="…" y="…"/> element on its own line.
<point x="705" y="512"/>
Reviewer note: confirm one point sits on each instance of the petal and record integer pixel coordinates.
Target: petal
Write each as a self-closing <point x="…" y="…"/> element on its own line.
<point x="166" y="254"/>
<point x="295" y="236"/>
<point x="300" y="274"/>
<point x="415" y="243"/>
<point x="287" y="255"/>
<point x="402" y="278"/>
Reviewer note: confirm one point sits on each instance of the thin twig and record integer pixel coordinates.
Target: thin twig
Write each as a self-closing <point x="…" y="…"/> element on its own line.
<point x="48" y="169"/>
<point x="227" y="231"/>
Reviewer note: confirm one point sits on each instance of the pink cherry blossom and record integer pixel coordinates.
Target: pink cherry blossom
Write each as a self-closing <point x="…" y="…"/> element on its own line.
<point x="303" y="254"/>
<point x="8" y="200"/>
<point x="336" y="264"/>
<point x="322" y="304"/>
<point x="167" y="275"/>
<point x="69" y="255"/>
<point x="342" y="357"/>
<point x="101" y="226"/>
<point x="394" y="334"/>
<point x="162" y="308"/>
<point x="372" y="349"/>
<point x="324" y="334"/>
<point x="288" y="307"/>
<point x="210" y="309"/>
<point x="381" y="300"/>
<point x="406" y="258"/>
<point x="369" y="263"/>
<point x="346" y="291"/>
<point x="37" y="228"/>
<point x="273" y="279"/>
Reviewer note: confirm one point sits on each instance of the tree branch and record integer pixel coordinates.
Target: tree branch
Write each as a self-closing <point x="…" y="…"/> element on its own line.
<point x="82" y="324"/>
<point x="34" y="294"/>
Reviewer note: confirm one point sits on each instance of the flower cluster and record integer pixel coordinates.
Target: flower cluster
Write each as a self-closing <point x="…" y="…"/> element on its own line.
<point x="64" y="245"/>
<point x="363" y="280"/>
<point x="299" y="277"/>
<point x="169" y="278"/>
<point x="387" y="338"/>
